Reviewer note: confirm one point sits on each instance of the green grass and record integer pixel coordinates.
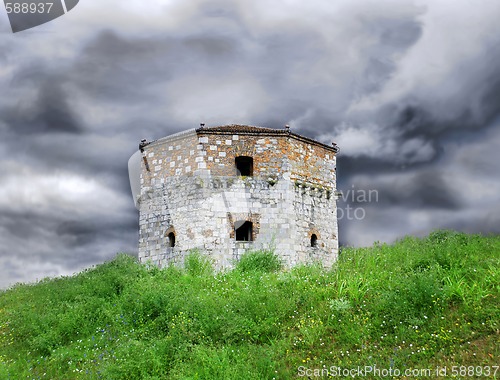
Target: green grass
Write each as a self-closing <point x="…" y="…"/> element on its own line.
<point x="419" y="303"/>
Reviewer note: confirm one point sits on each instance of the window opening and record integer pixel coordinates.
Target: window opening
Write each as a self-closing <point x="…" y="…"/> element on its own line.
<point x="244" y="166"/>
<point x="244" y="232"/>
<point x="171" y="239"/>
<point x="314" y="240"/>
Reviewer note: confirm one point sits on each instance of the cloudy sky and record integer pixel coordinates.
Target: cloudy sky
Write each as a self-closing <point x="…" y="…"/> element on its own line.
<point x="409" y="90"/>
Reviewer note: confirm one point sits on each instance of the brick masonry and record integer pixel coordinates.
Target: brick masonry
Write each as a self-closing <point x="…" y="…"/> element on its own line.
<point x="190" y="186"/>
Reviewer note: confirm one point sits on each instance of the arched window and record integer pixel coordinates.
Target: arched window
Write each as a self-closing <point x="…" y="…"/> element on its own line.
<point x="314" y="240"/>
<point x="244" y="165"/>
<point x="244" y="231"/>
<point x="171" y="240"/>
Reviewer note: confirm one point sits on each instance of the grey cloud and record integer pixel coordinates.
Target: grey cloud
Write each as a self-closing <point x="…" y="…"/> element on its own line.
<point x="77" y="233"/>
<point x="119" y="67"/>
<point x="485" y="223"/>
<point x="475" y="108"/>
<point x="377" y="72"/>
<point x="425" y="190"/>
<point x="400" y="33"/>
<point x="394" y="36"/>
<point x="304" y="64"/>
<point x="217" y="48"/>
<point x="348" y="166"/>
<point x="50" y="110"/>
<point x="86" y="233"/>
<point x="115" y="66"/>
<point x="61" y="240"/>
<point x="421" y="189"/>
<point x="91" y="155"/>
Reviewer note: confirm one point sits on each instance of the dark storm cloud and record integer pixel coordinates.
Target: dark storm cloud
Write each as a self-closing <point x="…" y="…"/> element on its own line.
<point x="425" y="189"/>
<point x="393" y="35"/>
<point x="396" y="85"/>
<point x="116" y="66"/>
<point x="476" y="106"/>
<point x="78" y="233"/>
<point x="348" y="166"/>
<point x="98" y="158"/>
<point x="487" y="222"/>
<point x="286" y="59"/>
<point x="5" y="26"/>
<point x="86" y="233"/>
<point x="417" y="120"/>
<point x="49" y="111"/>
<point x="62" y="236"/>
<point x="399" y="33"/>
<point x="109" y="59"/>
<point x="3" y="53"/>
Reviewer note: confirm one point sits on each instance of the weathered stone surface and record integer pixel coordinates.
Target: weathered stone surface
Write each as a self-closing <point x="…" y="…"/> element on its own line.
<point x="193" y="189"/>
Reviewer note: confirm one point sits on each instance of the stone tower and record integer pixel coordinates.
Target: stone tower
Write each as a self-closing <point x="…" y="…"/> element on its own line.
<point x="229" y="189"/>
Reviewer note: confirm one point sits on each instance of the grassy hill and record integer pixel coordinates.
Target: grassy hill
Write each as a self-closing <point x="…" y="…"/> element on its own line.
<point x="417" y="304"/>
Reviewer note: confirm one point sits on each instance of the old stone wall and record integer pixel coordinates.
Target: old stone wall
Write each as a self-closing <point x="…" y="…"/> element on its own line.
<point x="192" y="189"/>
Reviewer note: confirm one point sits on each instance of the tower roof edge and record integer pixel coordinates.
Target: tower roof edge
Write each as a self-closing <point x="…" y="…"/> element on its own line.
<point x="254" y="130"/>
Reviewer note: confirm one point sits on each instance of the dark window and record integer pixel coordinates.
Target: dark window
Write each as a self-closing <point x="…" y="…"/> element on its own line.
<point x="244" y="165"/>
<point x="314" y="240"/>
<point x="244" y="232"/>
<point x="171" y="239"/>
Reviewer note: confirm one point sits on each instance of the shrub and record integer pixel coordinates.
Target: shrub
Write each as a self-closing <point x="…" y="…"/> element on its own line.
<point x="197" y="264"/>
<point x="261" y="261"/>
